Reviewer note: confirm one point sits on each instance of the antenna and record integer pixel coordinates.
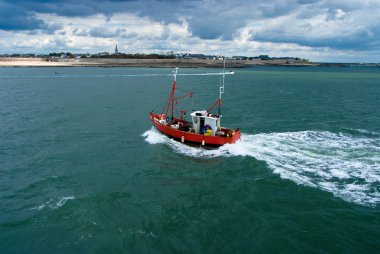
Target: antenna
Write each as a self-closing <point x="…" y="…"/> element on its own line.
<point x="175" y="73"/>
<point x="221" y="88"/>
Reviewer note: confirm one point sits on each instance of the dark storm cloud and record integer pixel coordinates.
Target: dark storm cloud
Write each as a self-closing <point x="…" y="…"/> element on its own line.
<point x="12" y="18"/>
<point x="358" y="34"/>
<point x="206" y="19"/>
<point x="20" y="22"/>
<point x="21" y="14"/>
<point x="359" y="41"/>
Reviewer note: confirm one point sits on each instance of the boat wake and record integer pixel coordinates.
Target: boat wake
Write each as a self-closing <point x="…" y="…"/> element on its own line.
<point x="346" y="165"/>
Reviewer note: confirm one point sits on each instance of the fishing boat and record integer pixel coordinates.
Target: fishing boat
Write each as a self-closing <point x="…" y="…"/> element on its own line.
<point x="204" y="129"/>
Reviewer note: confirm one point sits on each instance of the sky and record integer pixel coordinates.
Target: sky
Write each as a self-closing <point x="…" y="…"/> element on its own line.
<point x="317" y="30"/>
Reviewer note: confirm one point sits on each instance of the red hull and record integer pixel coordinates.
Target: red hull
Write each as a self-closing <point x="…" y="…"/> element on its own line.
<point x="192" y="137"/>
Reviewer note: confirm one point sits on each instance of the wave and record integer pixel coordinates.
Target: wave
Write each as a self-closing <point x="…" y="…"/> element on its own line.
<point x="53" y="204"/>
<point x="347" y="166"/>
<point x="362" y="132"/>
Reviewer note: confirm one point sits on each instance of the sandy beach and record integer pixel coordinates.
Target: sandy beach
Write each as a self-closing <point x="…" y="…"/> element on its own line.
<point x="40" y="62"/>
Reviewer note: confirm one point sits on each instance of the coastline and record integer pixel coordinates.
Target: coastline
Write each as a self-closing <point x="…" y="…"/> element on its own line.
<point x="169" y="63"/>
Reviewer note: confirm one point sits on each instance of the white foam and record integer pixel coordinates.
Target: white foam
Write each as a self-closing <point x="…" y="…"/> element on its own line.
<point x="154" y="137"/>
<point x="142" y="233"/>
<point x="345" y="165"/>
<point x="367" y="132"/>
<point x="61" y="201"/>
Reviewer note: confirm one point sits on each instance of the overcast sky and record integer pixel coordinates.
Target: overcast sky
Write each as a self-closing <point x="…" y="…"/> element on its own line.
<point x="318" y="30"/>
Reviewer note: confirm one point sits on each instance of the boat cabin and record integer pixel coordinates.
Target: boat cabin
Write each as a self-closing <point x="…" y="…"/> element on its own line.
<point x="205" y="123"/>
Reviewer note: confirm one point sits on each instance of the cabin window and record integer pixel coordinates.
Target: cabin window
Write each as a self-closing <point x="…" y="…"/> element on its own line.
<point x="202" y="122"/>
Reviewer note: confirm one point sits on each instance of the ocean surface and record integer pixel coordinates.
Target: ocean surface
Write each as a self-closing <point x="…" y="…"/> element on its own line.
<point x="83" y="171"/>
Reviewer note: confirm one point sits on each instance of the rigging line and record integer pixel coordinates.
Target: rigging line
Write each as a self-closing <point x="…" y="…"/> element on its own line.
<point x="184" y="91"/>
<point x="192" y="102"/>
<point x="86" y="76"/>
<point x="206" y="74"/>
<point x="117" y="75"/>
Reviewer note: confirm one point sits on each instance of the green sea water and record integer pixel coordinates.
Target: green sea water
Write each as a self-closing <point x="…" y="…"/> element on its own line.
<point x="83" y="171"/>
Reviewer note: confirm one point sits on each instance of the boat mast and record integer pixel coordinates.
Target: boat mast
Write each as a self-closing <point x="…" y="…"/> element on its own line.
<point x="173" y="90"/>
<point x="221" y="88"/>
<point x="170" y="101"/>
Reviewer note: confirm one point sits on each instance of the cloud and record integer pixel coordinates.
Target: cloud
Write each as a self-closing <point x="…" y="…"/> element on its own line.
<point x="13" y="18"/>
<point x="333" y="28"/>
<point x="20" y="23"/>
<point x="281" y="27"/>
<point x="106" y="33"/>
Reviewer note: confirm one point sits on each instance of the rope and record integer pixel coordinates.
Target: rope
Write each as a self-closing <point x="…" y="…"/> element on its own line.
<point x="114" y="75"/>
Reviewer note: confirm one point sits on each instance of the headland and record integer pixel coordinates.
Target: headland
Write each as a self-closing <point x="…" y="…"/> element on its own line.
<point x="122" y="62"/>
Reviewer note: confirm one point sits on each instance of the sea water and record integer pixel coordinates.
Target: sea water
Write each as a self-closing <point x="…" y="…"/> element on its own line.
<point x="82" y="170"/>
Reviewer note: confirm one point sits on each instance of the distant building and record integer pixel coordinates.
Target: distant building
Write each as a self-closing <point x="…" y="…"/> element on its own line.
<point x="264" y="57"/>
<point x="116" y="50"/>
<point x="103" y="54"/>
<point x="197" y="56"/>
<point x="239" y="57"/>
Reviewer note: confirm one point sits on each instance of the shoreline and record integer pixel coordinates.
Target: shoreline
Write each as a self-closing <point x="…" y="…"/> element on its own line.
<point x="164" y="63"/>
<point x="158" y="63"/>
